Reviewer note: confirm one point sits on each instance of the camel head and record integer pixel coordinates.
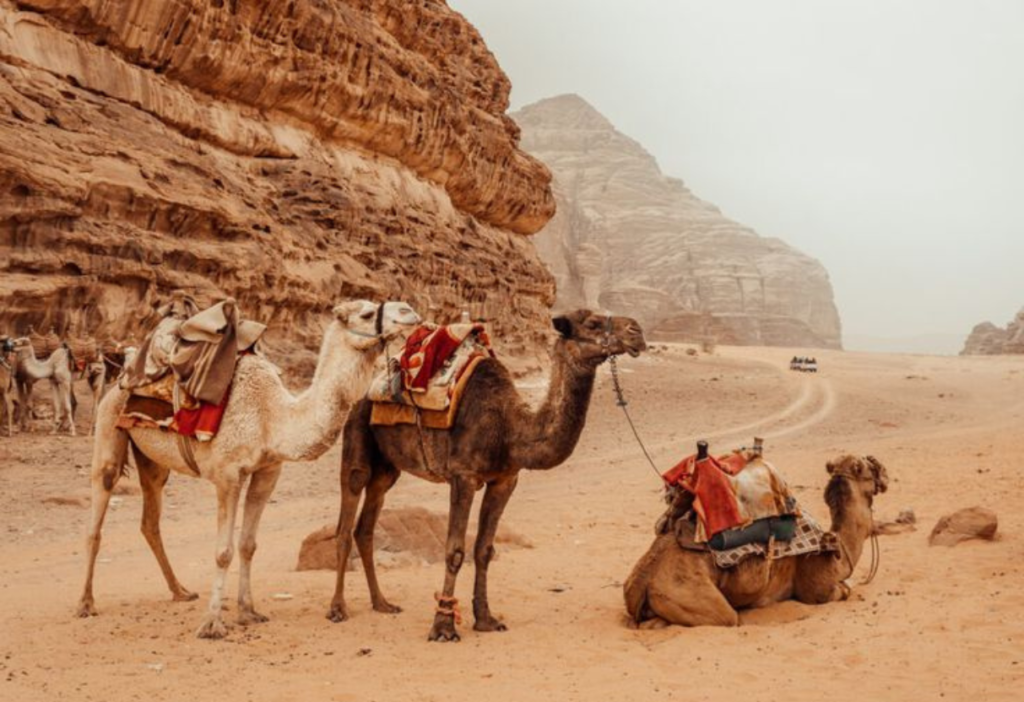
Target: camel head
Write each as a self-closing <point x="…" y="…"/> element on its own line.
<point x="865" y="473"/>
<point x="371" y="325"/>
<point x="592" y="337"/>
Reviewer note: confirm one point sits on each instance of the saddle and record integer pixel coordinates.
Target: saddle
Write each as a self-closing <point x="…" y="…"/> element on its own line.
<point x="731" y="492"/>
<point x="180" y="380"/>
<point x="424" y="385"/>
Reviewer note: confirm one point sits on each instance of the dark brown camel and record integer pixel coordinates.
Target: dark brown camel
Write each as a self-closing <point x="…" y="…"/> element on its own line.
<point x="494" y="436"/>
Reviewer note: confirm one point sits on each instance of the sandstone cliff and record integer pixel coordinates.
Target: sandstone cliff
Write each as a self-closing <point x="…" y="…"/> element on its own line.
<point x="629" y="239"/>
<point x="287" y="153"/>
<point x="987" y="339"/>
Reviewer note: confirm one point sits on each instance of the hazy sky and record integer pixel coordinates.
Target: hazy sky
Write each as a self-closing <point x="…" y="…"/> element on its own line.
<point x="884" y="137"/>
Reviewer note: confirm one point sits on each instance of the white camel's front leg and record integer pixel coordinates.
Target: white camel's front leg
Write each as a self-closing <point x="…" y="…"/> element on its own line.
<point x="261" y="486"/>
<point x="58" y="406"/>
<point x="228" y="492"/>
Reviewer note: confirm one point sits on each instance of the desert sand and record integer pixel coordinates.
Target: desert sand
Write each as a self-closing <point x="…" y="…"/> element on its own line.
<point x="935" y="623"/>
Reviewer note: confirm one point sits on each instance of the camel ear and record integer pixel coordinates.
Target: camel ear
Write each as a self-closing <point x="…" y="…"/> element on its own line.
<point x="879" y="473"/>
<point x="343" y="311"/>
<point x="563" y="326"/>
<point x="830" y="467"/>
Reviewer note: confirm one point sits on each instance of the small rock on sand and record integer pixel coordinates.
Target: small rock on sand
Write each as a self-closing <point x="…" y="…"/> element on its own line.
<point x="969" y="523"/>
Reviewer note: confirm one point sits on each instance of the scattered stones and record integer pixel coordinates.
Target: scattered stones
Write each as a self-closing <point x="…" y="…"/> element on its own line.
<point x="965" y="524"/>
<point x="905" y="522"/>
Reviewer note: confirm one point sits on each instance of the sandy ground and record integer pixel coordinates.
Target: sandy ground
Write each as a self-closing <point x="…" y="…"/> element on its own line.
<point x="935" y="623"/>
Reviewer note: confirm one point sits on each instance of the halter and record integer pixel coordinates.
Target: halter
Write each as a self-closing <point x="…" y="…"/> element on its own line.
<point x="378" y="326"/>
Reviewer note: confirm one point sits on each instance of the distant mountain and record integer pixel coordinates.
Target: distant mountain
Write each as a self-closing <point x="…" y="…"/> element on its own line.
<point x="987" y="339"/>
<point x="629" y="239"/>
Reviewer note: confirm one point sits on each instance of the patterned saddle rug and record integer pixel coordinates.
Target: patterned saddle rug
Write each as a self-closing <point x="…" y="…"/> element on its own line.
<point x="809" y="538"/>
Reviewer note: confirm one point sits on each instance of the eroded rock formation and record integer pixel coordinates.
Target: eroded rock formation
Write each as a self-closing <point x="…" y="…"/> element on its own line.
<point x="286" y="153"/>
<point x="631" y="240"/>
<point x="987" y="339"/>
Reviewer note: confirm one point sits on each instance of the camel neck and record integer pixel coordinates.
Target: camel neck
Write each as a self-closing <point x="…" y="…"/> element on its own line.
<point x="852" y="520"/>
<point x="548" y="436"/>
<point x="318" y="414"/>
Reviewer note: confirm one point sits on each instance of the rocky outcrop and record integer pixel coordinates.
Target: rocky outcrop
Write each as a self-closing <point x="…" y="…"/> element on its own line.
<point x="987" y="339"/>
<point x="629" y="239"/>
<point x="286" y="153"/>
<point x="404" y="536"/>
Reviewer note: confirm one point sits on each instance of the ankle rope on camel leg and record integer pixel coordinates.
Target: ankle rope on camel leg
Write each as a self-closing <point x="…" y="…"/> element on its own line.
<point x="448" y="606"/>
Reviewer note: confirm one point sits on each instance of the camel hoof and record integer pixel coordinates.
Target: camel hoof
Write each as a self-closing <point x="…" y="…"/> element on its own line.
<point x="86" y="610"/>
<point x="337" y="614"/>
<point x="212" y="628"/>
<point x="252" y="617"/>
<point x="489" y="624"/>
<point x="444" y="631"/>
<point x="386" y="607"/>
<point x="184" y="595"/>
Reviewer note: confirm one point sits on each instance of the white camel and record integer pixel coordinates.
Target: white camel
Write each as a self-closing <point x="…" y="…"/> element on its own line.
<point x="7" y="388"/>
<point x="57" y="369"/>
<point x="263" y="426"/>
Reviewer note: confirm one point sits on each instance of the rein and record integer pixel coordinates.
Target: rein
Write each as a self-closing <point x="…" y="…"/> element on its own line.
<point x="620" y="397"/>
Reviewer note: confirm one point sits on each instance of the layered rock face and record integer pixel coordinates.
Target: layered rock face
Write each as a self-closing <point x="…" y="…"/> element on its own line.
<point x="287" y="153"/>
<point x="629" y="239"/>
<point x="987" y="339"/>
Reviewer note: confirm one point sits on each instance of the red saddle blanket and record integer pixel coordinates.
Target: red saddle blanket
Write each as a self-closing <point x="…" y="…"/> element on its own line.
<point x="196" y="418"/>
<point x="430" y="347"/>
<point x="731" y="491"/>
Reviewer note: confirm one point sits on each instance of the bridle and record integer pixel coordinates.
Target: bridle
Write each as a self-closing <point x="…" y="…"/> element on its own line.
<point x="876" y="551"/>
<point x="378" y="326"/>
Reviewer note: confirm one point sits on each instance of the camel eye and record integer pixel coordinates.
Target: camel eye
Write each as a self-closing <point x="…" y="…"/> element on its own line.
<point x="367" y="315"/>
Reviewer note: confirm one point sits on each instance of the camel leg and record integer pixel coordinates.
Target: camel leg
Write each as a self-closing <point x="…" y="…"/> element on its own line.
<point x="109" y="453"/>
<point x="152" y="479"/>
<point x="228" y="493"/>
<point x="97" y="395"/>
<point x="692" y="602"/>
<point x="495" y="499"/>
<point x="372" y="505"/>
<point x="58" y="406"/>
<point x="455" y="553"/>
<point x="261" y="486"/>
<point x="353" y="483"/>
<point x="69" y="412"/>
<point x="9" y="406"/>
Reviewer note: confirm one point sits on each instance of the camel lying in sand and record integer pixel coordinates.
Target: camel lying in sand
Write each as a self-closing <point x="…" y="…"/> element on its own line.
<point x="670" y="585"/>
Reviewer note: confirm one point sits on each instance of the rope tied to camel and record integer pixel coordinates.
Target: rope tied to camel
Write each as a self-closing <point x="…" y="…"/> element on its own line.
<point x="620" y="401"/>
<point x="448" y="606"/>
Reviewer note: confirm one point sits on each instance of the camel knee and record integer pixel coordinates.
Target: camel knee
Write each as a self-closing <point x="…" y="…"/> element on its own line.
<point x="454" y="560"/>
<point x="247" y="549"/>
<point x="224" y="557"/>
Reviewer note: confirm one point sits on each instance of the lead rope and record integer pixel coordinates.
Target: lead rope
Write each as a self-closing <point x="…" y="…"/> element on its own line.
<point x="620" y="400"/>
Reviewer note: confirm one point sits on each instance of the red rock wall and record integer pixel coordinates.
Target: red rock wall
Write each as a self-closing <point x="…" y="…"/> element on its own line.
<point x="285" y="153"/>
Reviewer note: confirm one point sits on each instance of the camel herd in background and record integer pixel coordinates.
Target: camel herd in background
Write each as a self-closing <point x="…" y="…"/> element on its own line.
<point x="26" y="360"/>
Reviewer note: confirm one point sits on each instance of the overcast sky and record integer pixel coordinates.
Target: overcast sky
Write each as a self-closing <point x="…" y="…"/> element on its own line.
<point x="883" y="137"/>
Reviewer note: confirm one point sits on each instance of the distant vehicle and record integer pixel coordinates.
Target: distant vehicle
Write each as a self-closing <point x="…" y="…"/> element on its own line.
<point x="804" y="365"/>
